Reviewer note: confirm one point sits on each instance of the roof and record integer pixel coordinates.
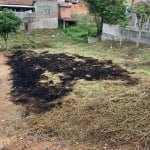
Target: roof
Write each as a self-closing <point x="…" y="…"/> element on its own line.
<point x="16" y="2"/>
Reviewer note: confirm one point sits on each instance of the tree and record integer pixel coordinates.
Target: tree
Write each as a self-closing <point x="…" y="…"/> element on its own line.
<point x="142" y="11"/>
<point x="9" y="23"/>
<point x="107" y="11"/>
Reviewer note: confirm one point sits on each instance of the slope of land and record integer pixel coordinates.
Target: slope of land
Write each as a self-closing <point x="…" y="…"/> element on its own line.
<point x="69" y="95"/>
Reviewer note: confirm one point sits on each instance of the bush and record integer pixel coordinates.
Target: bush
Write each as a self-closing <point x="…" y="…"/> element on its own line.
<point x="81" y="31"/>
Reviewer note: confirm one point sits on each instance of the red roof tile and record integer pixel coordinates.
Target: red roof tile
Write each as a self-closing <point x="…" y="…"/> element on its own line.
<point x="16" y="2"/>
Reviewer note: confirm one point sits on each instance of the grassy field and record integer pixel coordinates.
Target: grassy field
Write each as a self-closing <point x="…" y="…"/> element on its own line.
<point x="97" y="113"/>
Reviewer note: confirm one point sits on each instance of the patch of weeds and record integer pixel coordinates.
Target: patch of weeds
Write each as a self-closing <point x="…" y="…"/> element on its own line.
<point x="82" y="30"/>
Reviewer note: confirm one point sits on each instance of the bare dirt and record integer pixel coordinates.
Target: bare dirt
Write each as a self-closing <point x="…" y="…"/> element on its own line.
<point x="9" y="112"/>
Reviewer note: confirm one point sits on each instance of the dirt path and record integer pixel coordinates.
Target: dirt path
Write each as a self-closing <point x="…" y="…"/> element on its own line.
<point x="9" y="113"/>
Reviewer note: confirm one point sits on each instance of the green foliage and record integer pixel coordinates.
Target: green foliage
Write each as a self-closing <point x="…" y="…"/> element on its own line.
<point x="76" y="32"/>
<point x="29" y="43"/>
<point x="9" y="23"/>
<point x="142" y="11"/>
<point x="116" y="15"/>
<point x="84" y="29"/>
<point x="107" y="11"/>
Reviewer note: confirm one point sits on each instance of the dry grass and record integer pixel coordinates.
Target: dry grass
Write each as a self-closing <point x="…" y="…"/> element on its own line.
<point x="100" y="113"/>
<point x="50" y="78"/>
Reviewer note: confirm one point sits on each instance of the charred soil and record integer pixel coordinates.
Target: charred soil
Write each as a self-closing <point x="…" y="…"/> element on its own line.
<point x="29" y="70"/>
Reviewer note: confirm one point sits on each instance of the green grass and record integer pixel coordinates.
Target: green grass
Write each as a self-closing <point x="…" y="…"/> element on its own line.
<point x="96" y="112"/>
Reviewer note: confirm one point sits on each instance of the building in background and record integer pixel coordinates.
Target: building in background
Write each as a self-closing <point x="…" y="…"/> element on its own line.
<point x="36" y="14"/>
<point x="65" y="14"/>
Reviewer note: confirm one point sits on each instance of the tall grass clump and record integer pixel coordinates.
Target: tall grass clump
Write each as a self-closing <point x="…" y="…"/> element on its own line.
<point x="84" y="28"/>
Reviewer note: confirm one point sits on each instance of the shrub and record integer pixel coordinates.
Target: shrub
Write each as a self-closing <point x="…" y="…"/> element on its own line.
<point x="82" y="30"/>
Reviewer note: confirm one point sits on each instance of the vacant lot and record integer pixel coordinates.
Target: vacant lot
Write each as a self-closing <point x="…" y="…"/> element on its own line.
<point x="86" y="96"/>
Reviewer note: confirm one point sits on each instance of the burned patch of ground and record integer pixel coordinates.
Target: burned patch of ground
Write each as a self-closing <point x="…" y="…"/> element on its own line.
<point x="33" y="76"/>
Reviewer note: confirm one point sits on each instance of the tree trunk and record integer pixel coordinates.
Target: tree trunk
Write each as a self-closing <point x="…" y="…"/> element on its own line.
<point x="101" y="28"/>
<point x="121" y="41"/>
<point x="99" y="24"/>
<point x="122" y="35"/>
<point x="132" y="2"/>
<point x="139" y="38"/>
<point x="140" y="25"/>
<point x="5" y="41"/>
<point x="6" y="46"/>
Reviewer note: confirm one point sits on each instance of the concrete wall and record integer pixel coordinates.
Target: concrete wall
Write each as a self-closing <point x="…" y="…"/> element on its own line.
<point x="44" y="23"/>
<point x="46" y="8"/>
<point x="113" y="32"/>
<point x="46" y="15"/>
<point x="131" y="35"/>
<point x="22" y="14"/>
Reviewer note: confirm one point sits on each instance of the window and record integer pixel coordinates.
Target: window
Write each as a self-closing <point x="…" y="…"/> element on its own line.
<point x="47" y="12"/>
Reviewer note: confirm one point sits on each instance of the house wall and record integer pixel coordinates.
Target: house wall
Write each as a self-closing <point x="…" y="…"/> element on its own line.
<point x="113" y="32"/>
<point x="65" y="12"/>
<point x="46" y="15"/>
